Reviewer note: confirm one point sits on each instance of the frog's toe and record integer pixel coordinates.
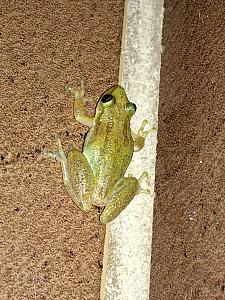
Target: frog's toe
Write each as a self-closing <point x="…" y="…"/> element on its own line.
<point x="144" y="133"/>
<point x="78" y="93"/>
<point x="145" y="176"/>
<point x="54" y="155"/>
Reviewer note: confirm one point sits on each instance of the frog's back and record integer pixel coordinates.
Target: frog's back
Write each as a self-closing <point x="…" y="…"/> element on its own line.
<point x="109" y="145"/>
<point x="109" y="153"/>
<point x="109" y="157"/>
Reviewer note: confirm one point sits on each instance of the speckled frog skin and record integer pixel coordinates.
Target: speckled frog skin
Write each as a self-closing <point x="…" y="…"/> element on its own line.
<point x="96" y="175"/>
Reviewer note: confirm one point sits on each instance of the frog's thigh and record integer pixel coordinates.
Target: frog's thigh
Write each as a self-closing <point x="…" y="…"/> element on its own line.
<point x="78" y="179"/>
<point x="121" y="197"/>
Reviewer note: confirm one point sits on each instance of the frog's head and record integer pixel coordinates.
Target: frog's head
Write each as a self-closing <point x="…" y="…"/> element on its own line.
<point x="115" y="105"/>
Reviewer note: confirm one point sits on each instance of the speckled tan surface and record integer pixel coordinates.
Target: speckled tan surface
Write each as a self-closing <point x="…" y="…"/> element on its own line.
<point x="49" y="249"/>
<point x="188" y="255"/>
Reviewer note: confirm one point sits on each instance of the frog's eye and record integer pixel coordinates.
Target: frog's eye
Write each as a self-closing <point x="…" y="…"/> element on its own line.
<point x="131" y="108"/>
<point x="108" y="98"/>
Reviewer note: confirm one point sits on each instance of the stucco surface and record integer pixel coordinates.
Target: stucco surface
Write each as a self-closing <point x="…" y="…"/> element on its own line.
<point x="49" y="249"/>
<point x="189" y="218"/>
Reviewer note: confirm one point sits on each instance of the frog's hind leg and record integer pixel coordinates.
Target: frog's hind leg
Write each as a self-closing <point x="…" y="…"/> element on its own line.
<point x="77" y="175"/>
<point x="144" y="175"/>
<point x="122" y="195"/>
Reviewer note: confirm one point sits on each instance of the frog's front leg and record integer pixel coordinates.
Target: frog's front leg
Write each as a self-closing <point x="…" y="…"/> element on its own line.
<point x="77" y="175"/>
<point x="139" y="138"/>
<point x="79" y="101"/>
<point x="121" y="196"/>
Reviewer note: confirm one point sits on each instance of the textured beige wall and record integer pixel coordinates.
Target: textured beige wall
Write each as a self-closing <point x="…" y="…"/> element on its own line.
<point x="49" y="249"/>
<point x="189" y="219"/>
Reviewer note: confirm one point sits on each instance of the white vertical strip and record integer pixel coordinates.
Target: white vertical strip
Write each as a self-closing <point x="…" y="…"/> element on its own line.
<point x="127" y="253"/>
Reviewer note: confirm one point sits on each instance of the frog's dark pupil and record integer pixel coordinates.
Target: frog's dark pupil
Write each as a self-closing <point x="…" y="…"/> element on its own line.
<point x="107" y="98"/>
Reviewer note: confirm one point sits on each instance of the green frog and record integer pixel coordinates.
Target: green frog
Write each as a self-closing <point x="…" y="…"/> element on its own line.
<point x="97" y="174"/>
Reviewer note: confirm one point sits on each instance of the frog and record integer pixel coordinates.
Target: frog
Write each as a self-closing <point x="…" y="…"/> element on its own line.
<point x="96" y="175"/>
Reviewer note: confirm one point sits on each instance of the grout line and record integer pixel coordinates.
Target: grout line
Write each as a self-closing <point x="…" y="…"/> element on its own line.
<point x="127" y="250"/>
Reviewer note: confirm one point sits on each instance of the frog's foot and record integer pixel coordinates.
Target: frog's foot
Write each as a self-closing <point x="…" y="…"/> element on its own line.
<point x="79" y="94"/>
<point x="59" y="155"/>
<point x="140" y="136"/>
<point x="79" y="101"/>
<point x="141" y="131"/>
<point x="143" y="176"/>
<point x="54" y="155"/>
